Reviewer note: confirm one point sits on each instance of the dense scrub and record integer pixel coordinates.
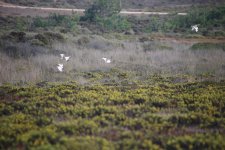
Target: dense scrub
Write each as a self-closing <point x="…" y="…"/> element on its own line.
<point x="159" y="113"/>
<point x="210" y="20"/>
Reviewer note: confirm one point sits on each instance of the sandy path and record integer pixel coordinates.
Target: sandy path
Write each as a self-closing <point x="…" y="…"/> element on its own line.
<point x="9" y="9"/>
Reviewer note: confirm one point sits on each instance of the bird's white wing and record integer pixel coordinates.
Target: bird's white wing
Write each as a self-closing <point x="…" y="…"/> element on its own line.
<point x="62" y="55"/>
<point x="67" y="58"/>
<point x="108" y="61"/>
<point x="60" y="68"/>
<point x="60" y="65"/>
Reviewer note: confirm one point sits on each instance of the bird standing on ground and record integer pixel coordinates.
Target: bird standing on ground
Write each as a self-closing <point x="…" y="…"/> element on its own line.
<point x="194" y="27"/>
<point x="108" y="61"/>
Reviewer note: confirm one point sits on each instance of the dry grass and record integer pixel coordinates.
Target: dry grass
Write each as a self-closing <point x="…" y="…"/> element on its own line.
<point x="126" y="55"/>
<point x="18" y="70"/>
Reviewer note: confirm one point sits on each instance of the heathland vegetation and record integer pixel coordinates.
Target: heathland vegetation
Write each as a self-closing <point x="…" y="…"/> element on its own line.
<point x="165" y="87"/>
<point x="127" y="4"/>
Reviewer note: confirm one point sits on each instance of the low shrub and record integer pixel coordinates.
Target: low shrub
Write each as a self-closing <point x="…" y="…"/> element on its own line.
<point x="207" y="46"/>
<point x="54" y="20"/>
<point x="83" y="41"/>
<point x="22" y="50"/>
<point x="87" y="142"/>
<point x="47" y="38"/>
<point x="199" y="142"/>
<point x="160" y="115"/>
<point x="37" y="42"/>
<point x="42" y="38"/>
<point x="114" y="23"/>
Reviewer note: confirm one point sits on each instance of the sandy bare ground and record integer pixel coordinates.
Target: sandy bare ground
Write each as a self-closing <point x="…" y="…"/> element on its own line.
<point x="9" y="9"/>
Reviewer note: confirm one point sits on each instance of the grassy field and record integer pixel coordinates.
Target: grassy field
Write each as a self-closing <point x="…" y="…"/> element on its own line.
<point x="36" y="59"/>
<point x="165" y="89"/>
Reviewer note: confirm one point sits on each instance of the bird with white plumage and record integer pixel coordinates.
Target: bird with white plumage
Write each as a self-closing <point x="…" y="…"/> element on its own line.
<point x="67" y="58"/>
<point x="60" y="67"/>
<point x="107" y="61"/>
<point x="194" y="27"/>
<point x="62" y="56"/>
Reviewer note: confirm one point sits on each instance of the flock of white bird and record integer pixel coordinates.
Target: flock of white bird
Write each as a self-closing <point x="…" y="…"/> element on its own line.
<point x="62" y="56"/>
<point x="106" y="60"/>
<point x="60" y="66"/>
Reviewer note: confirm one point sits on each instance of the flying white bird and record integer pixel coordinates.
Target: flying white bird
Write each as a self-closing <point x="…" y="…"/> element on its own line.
<point x="60" y="67"/>
<point x="67" y="58"/>
<point x="62" y="56"/>
<point x="194" y="27"/>
<point x="108" y="61"/>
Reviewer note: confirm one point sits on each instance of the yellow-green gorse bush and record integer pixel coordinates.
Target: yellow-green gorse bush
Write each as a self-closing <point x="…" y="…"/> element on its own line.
<point x="153" y="114"/>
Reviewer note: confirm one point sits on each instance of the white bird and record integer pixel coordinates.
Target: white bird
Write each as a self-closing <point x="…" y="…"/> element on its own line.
<point x="67" y="58"/>
<point x="194" y="27"/>
<point x="62" y="56"/>
<point x="108" y="61"/>
<point x="60" y="67"/>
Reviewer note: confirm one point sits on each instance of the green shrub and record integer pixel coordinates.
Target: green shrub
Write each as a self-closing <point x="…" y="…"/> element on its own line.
<point x="206" y="17"/>
<point x="199" y="142"/>
<point x="54" y="36"/>
<point x="39" y="22"/>
<point x="114" y="23"/>
<point x="101" y="9"/>
<point x="53" y="20"/>
<point x="42" y="38"/>
<point x="155" y="25"/>
<point x="20" y="24"/>
<point x="104" y="13"/>
<point x="208" y="46"/>
<point x="161" y="115"/>
<point x="18" y="36"/>
<point x="47" y="38"/>
<point x="83" y="41"/>
<point x="219" y="33"/>
<point x="37" y="42"/>
<point x="128" y="144"/>
<point x="87" y="142"/>
<point x="38" y="138"/>
<point x="43" y="121"/>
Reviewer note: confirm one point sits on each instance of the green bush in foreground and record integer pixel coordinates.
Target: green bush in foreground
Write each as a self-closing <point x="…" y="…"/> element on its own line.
<point x="160" y="115"/>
